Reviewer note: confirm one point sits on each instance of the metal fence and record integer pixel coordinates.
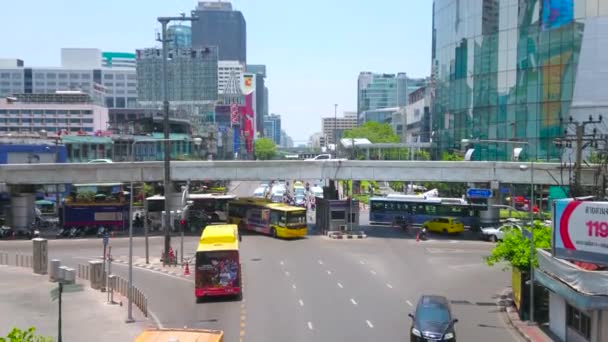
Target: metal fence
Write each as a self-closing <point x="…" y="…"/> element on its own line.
<point x="140" y="300"/>
<point x="83" y="272"/>
<point x="119" y="285"/>
<point x="3" y="258"/>
<point x="22" y="260"/>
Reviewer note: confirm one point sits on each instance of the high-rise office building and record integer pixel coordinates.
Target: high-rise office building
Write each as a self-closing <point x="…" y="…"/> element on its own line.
<point x="180" y="36"/>
<point x="219" y="25"/>
<point x="334" y="127"/>
<point x="272" y="128"/>
<point x="516" y="70"/>
<point x="192" y="75"/>
<point x="377" y="91"/>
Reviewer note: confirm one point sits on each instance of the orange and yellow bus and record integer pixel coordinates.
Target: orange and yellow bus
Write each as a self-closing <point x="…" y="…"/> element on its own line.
<point x="217" y="269"/>
<point x="276" y="219"/>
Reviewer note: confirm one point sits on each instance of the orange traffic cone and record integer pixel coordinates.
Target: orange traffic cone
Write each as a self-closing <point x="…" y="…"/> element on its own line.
<point x="187" y="270"/>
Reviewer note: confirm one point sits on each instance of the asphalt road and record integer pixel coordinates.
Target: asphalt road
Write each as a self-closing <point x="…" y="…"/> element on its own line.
<point x="317" y="289"/>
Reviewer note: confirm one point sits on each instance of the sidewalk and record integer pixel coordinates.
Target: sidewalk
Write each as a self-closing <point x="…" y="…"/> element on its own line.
<point x="531" y="333"/>
<point x="26" y="302"/>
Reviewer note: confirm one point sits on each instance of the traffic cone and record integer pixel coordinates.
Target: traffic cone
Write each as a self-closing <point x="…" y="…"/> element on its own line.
<point x="187" y="270"/>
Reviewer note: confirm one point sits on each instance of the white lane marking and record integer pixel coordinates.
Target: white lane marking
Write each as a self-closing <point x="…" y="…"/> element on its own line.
<point x="293" y="286"/>
<point x="329" y="272"/>
<point x="156" y="320"/>
<point x="301" y="302"/>
<point x="310" y="325"/>
<point x="373" y="272"/>
<point x="389" y="286"/>
<point x="353" y="301"/>
<point x="287" y="273"/>
<point x="340" y="286"/>
<point x="369" y="324"/>
<point x="362" y="262"/>
<point x="409" y="303"/>
<point x="320" y="262"/>
<point x="282" y="263"/>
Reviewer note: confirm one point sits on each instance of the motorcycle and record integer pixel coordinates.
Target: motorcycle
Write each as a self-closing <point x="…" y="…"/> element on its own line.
<point x="423" y="233"/>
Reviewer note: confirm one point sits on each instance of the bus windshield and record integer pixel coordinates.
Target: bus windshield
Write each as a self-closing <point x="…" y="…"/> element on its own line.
<point x="296" y="218"/>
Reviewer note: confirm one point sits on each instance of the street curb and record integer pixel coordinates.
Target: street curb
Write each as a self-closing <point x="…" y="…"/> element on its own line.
<point x="513" y="316"/>
<point x="340" y="235"/>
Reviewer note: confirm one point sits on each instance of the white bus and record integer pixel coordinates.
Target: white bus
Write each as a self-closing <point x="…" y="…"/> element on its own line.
<point x="204" y="208"/>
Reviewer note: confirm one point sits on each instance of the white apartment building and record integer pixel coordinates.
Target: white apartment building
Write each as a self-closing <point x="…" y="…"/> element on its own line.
<point x="224" y="69"/>
<point x="331" y="126"/>
<point x="67" y="111"/>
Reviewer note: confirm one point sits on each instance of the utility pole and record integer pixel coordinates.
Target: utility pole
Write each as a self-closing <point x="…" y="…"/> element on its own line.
<point x="582" y="140"/>
<point x="336" y="130"/>
<point x="167" y="155"/>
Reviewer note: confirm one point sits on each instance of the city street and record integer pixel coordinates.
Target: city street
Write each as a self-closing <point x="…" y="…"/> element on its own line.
<point x="317" y="288"/>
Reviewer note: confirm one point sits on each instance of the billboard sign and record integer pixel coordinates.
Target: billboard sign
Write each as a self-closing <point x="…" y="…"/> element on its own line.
<point x="580" y="231"/>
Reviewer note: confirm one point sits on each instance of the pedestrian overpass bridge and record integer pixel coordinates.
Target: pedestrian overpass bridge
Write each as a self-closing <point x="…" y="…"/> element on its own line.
<point x="435" y="171"/>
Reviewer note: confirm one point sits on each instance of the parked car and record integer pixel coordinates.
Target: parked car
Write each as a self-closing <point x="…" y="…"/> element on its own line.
<point x="89" y="230"/>
<point x="447" y="225"/>
<point x="432" y="320"/>
<point x="498" y="233"/>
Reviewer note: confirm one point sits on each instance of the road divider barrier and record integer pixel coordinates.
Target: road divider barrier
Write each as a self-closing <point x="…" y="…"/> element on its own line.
<point x="3" y="258"/>
<point x="121" y="286"/>
<point x="83" y="272"/>
<point x="24" y="260"/>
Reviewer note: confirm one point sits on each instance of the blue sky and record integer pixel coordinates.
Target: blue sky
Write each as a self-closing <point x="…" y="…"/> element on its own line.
<point x="314" y="49"/>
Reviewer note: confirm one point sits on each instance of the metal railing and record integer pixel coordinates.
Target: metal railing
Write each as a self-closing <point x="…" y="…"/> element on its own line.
<point x="119" y="285"/>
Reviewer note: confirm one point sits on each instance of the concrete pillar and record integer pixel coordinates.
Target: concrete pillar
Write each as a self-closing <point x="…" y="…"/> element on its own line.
<point x="23" y="212"/>
<point x="96" y="274"/>
<point x="54" y="270"/>
<point x="40" y="254"/>
<point x="491" y="217"/>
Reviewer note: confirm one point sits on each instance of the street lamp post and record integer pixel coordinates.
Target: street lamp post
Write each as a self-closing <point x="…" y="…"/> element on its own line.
<point x="164" y="21"/>
<point x="197" y="141"/>
<point x="530" y="210"/>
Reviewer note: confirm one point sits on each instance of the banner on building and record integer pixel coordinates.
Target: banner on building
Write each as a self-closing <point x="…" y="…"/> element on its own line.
<point x="580" y="231"/>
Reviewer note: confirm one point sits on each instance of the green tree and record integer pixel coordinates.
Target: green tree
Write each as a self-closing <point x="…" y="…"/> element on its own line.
<point x="18" y="335"/>
<point x="374" y="132"/>
<point x="515" y="248"/>
<point x="265" y="148"/>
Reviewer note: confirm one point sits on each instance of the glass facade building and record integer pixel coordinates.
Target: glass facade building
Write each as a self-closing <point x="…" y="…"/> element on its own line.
<point x="180" y="36"/>
<point x="516" y="69"/>
<point x="219" y="25"/>
<point x="377" y="91"/>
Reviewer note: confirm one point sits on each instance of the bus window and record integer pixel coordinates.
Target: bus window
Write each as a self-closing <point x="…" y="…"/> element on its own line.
<point x="430" y="209"/>
<point x="275" y="217"/>
<point x="377" y="206"/>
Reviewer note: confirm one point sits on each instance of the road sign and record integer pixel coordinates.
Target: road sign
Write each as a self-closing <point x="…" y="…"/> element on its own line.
<point x="479" y="193"/>
<point x="527" y="234"/>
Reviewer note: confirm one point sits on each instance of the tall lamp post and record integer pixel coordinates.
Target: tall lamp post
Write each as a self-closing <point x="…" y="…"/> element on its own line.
<point x="530" y="209"/>
<point x="164" y="21"/>
<point x="196" y="141"/>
